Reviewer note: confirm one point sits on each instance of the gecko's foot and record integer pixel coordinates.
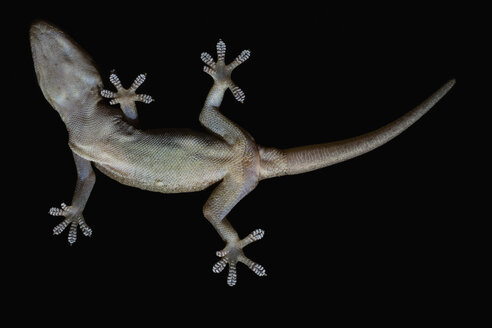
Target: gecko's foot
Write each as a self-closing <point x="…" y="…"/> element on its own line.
<point x="74" y="218"/>
<point x="126" y="97"/>
<point x="220" y="72"/>
<point x="233" y="253"/>
<point x="123" y="95"/>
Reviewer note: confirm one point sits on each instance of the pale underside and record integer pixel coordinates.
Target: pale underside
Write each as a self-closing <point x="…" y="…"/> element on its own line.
<point x="172" y="160"/>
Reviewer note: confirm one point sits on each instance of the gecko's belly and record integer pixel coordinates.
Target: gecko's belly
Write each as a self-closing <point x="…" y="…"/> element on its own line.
<point x="165" y="179"/>
<point x="167" y="163"/>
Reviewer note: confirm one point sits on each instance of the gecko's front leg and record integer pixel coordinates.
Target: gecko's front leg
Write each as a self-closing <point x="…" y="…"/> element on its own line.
<point x="73" y="213"/>
<point x="127" y="97"/>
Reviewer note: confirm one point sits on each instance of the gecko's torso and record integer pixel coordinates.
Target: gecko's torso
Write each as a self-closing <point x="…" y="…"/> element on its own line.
<point x="163" y="160"/>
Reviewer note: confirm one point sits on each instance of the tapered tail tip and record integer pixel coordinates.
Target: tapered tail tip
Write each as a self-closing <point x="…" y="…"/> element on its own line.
<point x="450" y="83"/>
<point x="443" y="90"/>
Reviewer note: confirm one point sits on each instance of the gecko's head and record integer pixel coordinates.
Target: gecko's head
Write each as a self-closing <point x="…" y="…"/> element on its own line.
<point x="65" y="72"/>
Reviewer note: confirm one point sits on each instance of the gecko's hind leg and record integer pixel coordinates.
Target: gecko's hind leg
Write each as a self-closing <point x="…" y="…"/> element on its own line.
<point x="210" y="116"/>
<point x="224" y="197"/>
<point x="242" y="177"/>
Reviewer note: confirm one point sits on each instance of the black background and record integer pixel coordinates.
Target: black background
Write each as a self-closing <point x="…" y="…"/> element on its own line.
<point x="381" y="238"/>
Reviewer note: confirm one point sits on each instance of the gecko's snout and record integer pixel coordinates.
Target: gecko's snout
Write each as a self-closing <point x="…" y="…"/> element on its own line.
<point x="38" y="26"/>
<point x="47" y="39"/>
<point x="43" y="37"/>
<point x="42" y="30"/>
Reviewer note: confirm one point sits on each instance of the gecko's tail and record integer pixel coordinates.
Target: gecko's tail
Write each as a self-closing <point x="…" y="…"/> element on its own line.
<point x="276" y="162"/>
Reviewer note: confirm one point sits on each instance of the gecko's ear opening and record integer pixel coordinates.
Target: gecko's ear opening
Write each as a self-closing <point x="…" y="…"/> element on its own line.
<point x="65" y="72"/>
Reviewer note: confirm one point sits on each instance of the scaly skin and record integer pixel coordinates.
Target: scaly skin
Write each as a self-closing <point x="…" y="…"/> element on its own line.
<point x="174" y="160"/>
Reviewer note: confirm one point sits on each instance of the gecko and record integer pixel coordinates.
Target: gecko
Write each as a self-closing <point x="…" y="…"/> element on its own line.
<point x="175" y="160"/>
